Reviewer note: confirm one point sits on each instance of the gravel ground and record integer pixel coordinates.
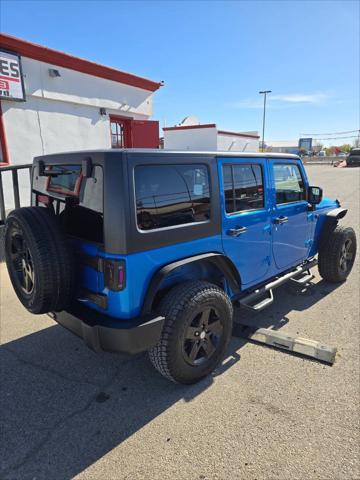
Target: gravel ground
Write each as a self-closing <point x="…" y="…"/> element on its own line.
<point x="70" y="413"/>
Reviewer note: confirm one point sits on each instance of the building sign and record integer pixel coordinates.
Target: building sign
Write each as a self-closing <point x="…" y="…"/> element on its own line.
<point x="11" y="81"/>
<point x="306" y="144"/>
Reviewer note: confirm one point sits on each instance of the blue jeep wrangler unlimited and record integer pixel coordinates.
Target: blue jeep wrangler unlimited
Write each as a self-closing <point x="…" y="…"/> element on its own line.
<point x="136" y="250"/>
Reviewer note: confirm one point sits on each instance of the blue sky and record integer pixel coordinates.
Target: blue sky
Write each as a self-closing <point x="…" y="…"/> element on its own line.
<point x="215" y="56"/>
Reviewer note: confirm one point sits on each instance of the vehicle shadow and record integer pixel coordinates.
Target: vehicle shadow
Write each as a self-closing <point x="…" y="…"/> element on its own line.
<point x="64" y="407"/>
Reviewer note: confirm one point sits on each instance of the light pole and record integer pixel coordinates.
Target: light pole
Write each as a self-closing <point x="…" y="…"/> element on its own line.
<point x="264" y="92"/>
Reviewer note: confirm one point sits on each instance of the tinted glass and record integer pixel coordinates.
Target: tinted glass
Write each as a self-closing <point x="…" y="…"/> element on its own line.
<point x="83" y="217"/>
<point x="243" y="187"/>
<point x="171" y="195"/>
<point x="64" y="178"/>
<point x="289" y="184"/>
<point x="85" y="220"/>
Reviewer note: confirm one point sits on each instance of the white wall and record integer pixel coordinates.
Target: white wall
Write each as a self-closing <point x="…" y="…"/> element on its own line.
<point x="191" y="139"/>
<point x="77" y="87"/>
<point x="208" y="139"/>
<point x="227" y="142"/>
<point x="62" y="114"/>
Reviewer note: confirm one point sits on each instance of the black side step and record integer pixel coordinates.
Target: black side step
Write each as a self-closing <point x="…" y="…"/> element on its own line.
<point x="263" y="297"/>
<point x="248" y="302"/>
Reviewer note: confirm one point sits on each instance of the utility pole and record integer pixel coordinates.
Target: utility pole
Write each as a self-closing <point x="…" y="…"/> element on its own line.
<point x="264" y="92"/>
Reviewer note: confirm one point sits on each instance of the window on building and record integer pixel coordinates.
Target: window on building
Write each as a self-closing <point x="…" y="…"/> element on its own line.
<point x="289" y="184"/>
<point x="243" y="187"/>
<point x="118" y="128"/>
<point x="170" y="195"/>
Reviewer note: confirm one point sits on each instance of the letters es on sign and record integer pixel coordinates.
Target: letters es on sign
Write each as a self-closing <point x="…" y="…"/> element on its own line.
<point x="11" y="81"/>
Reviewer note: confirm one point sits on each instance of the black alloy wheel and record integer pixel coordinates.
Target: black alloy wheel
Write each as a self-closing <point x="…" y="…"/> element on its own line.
<point x="202" y="336"/>
<point x="22" y="261"/>
<point x="347" y="255"/>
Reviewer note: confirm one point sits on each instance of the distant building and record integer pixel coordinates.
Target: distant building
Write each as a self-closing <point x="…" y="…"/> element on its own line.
<point x="190" y="135"/>
<point x="285" y="146"/>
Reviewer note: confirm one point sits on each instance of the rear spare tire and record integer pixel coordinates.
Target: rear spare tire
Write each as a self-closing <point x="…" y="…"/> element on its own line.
<point x="39" y="260"/>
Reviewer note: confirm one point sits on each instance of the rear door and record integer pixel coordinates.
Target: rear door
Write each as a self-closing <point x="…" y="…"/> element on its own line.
<point x="291" y="220"/>
<point x="246" y="227"/>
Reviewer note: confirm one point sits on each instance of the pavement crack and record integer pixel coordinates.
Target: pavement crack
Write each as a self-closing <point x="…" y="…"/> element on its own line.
<point x="48" y="369"/>
<point x="35" y="450"/>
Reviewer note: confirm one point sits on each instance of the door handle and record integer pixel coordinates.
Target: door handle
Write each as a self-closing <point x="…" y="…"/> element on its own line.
<point x="235" y="232"/>
<point x="282" y="219"/>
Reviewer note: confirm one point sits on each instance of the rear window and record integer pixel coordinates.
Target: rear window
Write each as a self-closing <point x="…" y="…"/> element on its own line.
<point x="170" y="195"/>
<point x="77" y="200"/>
<point x="64" y="179"/>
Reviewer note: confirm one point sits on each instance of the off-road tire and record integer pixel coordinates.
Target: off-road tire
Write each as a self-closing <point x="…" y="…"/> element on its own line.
<point x="331" y="253"/>
<point x="51" y="259"/>
<point x="178" y="307"/>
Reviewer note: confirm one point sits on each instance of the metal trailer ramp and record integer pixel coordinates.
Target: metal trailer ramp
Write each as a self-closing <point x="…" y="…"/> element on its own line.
<point x="298" y="345"/>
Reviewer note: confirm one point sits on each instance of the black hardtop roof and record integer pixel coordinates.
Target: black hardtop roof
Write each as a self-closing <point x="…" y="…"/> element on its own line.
<point x="162" y="152"/>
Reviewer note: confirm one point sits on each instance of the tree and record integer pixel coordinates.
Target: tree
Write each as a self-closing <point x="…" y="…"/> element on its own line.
<point x="317" y="146"/>
<point x="345" y="148"/>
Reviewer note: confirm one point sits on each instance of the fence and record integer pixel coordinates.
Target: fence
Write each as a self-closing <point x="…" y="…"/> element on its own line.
<point x="321" y="160"/>
<point x="14" y="169"/>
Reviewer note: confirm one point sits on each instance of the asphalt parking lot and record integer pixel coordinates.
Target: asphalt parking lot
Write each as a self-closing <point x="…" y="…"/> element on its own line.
<point x="67" y="412"/>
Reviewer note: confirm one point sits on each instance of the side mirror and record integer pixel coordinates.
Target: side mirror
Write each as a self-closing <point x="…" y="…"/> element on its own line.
<point x="315" y="195"/>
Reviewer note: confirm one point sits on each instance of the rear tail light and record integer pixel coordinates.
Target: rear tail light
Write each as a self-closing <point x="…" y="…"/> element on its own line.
<point x="114" y="274"/>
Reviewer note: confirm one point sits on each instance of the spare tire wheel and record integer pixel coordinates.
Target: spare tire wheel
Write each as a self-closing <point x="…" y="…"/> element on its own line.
<point x="39" y="260"/>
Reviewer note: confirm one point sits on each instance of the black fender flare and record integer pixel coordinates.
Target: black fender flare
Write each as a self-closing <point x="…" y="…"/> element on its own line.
<point x="331" y="220"/>
<point x="223" y="263"/>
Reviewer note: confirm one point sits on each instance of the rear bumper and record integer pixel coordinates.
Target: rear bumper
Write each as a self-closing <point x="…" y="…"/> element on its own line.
<point x="103" y="333"/>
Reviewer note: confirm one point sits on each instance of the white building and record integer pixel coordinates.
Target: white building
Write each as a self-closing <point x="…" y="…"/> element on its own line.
<point x="55" y="102"/>
<point x="196" y="136"/>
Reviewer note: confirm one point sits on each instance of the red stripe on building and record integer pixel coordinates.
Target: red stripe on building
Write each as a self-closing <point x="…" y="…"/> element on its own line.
<point x="54" y="57"/>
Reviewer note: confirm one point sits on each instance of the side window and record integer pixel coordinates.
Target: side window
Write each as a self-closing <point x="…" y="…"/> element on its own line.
<point x="243" y="187"/>
<point x="171" y="195"/>
<point x="289" y="184"/>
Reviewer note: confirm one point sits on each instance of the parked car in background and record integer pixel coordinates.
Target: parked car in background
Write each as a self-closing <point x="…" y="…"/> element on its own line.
<point x="322" y="153"/>
<point x="353" y="160"/>
<point x="342" y="154"/>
